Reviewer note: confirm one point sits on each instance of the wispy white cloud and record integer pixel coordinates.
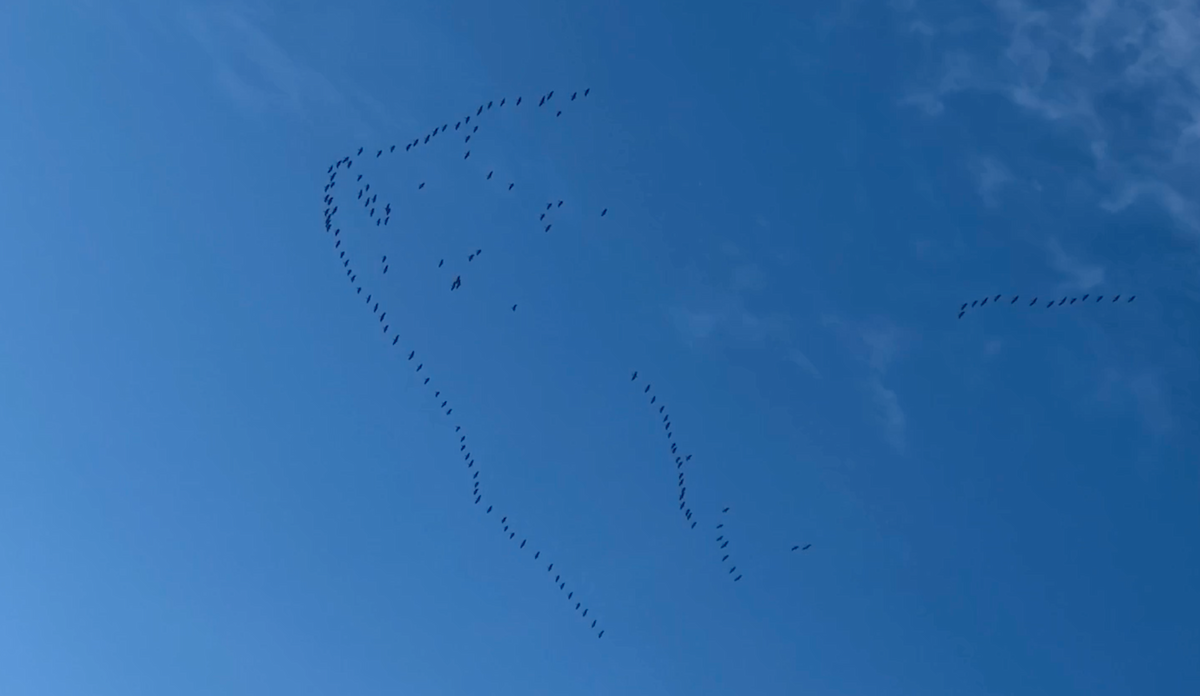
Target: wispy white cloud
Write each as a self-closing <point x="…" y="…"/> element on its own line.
<point x="891" y="415"/>
<point x="252" y="68"/>
<point x="878" y="343"/>
<point x="801" y="360"/>
<point x="992" y="176"/>
<point x="1079" y="274"/>
<point x="1068" y="66"/>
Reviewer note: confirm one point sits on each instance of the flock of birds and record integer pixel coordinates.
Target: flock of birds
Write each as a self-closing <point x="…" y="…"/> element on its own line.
<point x="681" y="461"/>
<point x="507" y="525"/>
<point x="1033" y="302"/>
<point x="381" y="215"/>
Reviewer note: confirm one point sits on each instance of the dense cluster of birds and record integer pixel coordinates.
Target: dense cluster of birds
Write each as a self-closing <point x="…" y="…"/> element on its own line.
<point x="382" y="217"/>
<point x="1033" y="302"/>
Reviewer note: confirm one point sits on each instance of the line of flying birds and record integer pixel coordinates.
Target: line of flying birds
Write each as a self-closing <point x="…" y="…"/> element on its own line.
<point x="681" y="461"/>
<point x="1033" y="302"/>
<point x="378" y="308"/>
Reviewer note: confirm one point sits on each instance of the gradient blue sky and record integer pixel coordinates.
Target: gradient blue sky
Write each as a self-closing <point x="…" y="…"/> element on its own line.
<point x="216" y="475"/>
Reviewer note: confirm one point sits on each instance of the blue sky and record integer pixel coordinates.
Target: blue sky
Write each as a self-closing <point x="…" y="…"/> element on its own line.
<point x="218" y="476"/>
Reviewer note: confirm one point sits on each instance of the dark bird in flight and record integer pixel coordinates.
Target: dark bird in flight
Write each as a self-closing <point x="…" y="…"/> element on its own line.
<point x="393" y="149"/>
<point x="984" y="302"/>
<point x="974" y="302"/>
<point x="535" y="553"/>
<point x="518" y="101"/>
<point x="996" y="298"/>
<point x="601" y="635"/>
<point x="725" y="544"/>
<point x="646" y="390"/>
<point x="725" y="558"/>
<point x="514" y="308"/>
<point x="543" y="216"/>
<point x="573" y="95"/>
<point x="558" y="114"/>
<point x="441" y="262"/>
<point x="1049" y="304"/>
<point x="427" y="139"/>
<point x="725" y="510"/>
<point x="960" y="315"/>
<point x="1130" y="299"/>
<point x="1014" y="299"/>
<point x="737" y="578"/>
<point x="489" y="508"/>
<point x="510" y="186"/>
<point x="1083" y="299"/>
<point x="548" y="227"/>
<point x="480" y="110"/>
<point x="395" y="339"/>
<point x="603" y="212"/>
<point x="422" y="185"/>
<point x="377" y="154"/>
<point x="1072" y="300"/>
<point x="634" y="376"/>
<point x="732" y="569"/>
<point x="457" y="125"/>
<point x="543" y="101"/>
<point x="551" y="94"/>
<point x="1033" y="302"/>
<point x="410" y="355"/>
<point x="1060" y="302"/>
<point x="467" y="155"/>
<point x="585" y="92"/>
<point x="407" y="147"/>
<point x="420" y="366"/>
<point x="489" y="176"/>
<point x="360" y="150"/>
<point x="457" y="282"/>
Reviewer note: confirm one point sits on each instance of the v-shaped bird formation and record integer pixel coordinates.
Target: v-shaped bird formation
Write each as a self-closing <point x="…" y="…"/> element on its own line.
<point x="381" y="215"/>
<point x="1035" y="301"/>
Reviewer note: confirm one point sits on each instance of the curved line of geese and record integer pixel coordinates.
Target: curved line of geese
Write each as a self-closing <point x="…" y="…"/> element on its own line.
<point x="681" y="460"/>
<point x="376" y="306"/>
<point x="383" y="218"/>
<point x="973" y="304"/>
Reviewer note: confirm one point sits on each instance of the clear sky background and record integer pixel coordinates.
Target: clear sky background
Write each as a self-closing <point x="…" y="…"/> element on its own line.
<point x="218" y="476"/>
